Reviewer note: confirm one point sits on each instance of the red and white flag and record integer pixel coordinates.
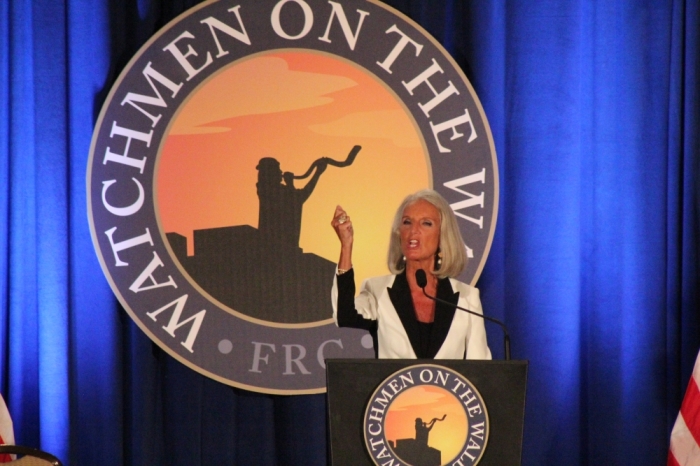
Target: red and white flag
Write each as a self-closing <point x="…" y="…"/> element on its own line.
<point x="7" y="433"/>
<point x="685" y="437"/>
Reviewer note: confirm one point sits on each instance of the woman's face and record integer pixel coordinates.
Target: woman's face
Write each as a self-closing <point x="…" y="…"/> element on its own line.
<point x="420" y="231"/>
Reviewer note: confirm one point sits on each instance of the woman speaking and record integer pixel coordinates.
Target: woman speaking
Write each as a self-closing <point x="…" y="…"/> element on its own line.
<point x="403" y="322"/>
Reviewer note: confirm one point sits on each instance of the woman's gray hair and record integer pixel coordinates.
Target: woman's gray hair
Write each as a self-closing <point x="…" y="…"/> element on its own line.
<point x="454" y="254"/>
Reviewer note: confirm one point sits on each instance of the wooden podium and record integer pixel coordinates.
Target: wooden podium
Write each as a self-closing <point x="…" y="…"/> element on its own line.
<point x="351" y="383"/>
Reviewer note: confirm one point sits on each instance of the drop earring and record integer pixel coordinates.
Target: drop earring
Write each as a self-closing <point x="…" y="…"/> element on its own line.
<point x="438" y="260"/>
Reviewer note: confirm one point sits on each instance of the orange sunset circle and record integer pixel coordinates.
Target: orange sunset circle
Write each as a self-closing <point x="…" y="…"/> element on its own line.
<point x="429" y="402"/>
<point x="295" y="106"/>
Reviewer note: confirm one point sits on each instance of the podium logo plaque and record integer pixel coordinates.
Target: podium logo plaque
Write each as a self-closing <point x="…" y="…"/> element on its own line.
<point x="426" y="415"/>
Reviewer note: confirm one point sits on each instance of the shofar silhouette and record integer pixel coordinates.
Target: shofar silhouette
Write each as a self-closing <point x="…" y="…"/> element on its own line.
<point x="329" y="161"/>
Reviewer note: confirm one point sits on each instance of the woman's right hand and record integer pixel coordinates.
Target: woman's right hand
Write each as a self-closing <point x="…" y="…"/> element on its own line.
<point x="343" y="227"/>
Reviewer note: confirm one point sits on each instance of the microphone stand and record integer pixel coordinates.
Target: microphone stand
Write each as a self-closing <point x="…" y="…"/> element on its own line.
<point x="422" y="281"/>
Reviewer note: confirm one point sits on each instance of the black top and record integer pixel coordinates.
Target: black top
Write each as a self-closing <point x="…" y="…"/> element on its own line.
<point x="426" y="339"/>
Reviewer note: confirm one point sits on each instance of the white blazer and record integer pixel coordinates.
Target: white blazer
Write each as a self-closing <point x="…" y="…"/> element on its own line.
<point x="466" y="336"/>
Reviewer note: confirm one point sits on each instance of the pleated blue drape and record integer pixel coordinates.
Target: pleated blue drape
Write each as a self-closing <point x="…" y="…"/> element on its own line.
<point x="595" y="112"/>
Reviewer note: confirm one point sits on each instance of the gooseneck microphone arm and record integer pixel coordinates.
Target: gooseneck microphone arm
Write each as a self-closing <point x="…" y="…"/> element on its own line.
<point x="422" y="281"/>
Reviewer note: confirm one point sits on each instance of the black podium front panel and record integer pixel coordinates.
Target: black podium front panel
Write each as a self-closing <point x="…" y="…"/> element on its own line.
<point x="351" y="383"/>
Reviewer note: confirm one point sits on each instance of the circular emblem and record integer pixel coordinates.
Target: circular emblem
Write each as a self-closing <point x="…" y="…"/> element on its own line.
<point x="222" y="150"/>
<point x="426" y="415"/>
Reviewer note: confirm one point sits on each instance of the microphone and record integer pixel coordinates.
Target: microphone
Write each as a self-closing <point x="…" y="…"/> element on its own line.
<point x="422" y="281"/>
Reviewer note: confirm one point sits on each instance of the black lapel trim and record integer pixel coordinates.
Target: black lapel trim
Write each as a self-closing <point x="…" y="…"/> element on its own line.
<point x="400" y="295"/>
<point x="443" y="316"/>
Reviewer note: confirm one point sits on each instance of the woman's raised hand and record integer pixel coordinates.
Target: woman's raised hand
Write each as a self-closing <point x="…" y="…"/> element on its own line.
<point x="343" y="226"/>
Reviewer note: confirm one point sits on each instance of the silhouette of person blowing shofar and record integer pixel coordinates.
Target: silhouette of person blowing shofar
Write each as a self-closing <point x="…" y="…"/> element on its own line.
<point x="279" y="218"/>
<point x="423" y="429"/>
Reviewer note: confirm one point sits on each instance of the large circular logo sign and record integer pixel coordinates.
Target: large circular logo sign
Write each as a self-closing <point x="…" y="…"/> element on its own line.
<point x="223" y="149"/>
<point x="426" y="415"/>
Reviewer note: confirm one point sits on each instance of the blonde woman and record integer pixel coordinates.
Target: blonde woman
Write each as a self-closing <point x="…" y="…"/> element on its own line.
<point x="403" y="322"/>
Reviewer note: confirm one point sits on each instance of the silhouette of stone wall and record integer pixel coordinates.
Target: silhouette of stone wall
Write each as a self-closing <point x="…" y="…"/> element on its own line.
<point x="262" y="280"/>
<point x="417" y="454"/>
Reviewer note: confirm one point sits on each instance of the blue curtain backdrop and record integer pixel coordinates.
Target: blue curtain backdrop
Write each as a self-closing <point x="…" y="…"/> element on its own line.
<point x="595" y="111"/>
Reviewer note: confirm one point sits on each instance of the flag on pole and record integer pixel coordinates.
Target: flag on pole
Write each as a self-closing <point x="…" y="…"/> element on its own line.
<point x="7" y="433"/>
<point x="685" y="437"/>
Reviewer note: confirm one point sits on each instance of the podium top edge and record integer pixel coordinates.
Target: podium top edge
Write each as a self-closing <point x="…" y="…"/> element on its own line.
<point x="427" y="361"/>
